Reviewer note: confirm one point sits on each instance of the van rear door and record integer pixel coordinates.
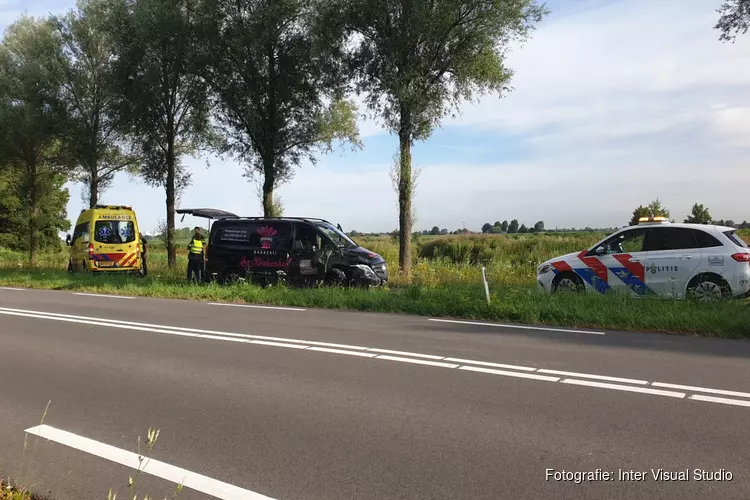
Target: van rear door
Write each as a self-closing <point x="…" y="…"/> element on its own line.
<point x="116" y="241"/>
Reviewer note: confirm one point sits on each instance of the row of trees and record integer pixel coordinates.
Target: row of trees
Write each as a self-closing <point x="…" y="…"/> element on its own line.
<point x="511" y="227"/>
<point x="136" y="85"/>
<point x="699" y="214"/>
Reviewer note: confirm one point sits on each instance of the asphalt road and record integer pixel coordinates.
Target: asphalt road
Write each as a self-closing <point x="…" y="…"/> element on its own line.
<point x="257" y="399"/>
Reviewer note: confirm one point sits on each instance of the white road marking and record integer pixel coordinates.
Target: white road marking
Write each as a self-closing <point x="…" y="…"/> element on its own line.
<point x="370" y="352"/>
<point x="12" y="289"/>
<point x="596" y="377"/>
<point x="251" y="306"/>
<point x="102" y="295"/>
<point x="510" y="374"/>
<point x="520" y="327"/>
<point x="417" y="361"/>
<point x="403" y="353"/>
<point x="177" y="475"/>
<point x="341" y="351"/>
<point x="486" y="363"/>
<point x="626" y="388"/>
<point x="279" y="344"/>
<point x="726" y="401"/>
<point x="691" y="388"/>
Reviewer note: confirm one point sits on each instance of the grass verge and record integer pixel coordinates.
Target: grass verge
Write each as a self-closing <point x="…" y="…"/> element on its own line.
<point x="519" y="304"/>
<point x="9" y="492"/>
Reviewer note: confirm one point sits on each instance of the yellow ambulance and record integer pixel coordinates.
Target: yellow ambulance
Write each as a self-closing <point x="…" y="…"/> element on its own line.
<point x="106" y="238"/>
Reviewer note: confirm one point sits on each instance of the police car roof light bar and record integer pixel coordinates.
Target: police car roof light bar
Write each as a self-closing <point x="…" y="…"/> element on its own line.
<point x="661" y="220"/>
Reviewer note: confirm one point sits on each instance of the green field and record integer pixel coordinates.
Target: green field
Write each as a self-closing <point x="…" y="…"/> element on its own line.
<point x="446" y="281"/>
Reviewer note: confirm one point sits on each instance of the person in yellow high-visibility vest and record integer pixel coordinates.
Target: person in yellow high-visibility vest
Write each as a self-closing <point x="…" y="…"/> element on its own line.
<point x="196" y="254"/>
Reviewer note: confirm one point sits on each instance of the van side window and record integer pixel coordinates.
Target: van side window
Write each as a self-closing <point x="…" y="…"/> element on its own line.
<point x="305" y="238"/>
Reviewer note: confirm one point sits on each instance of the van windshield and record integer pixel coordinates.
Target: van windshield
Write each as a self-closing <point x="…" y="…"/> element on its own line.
<point x="340" y="239"/>
<point x="114" y="231"/>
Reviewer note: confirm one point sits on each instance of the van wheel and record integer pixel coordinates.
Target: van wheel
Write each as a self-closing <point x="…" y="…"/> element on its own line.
<point x="336" y="277"/>
<point x="232" y="278"/>
<point x="708" y="288"/>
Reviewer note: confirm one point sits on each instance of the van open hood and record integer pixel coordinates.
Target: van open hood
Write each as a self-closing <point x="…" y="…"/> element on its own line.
<point x="206" y="213"/>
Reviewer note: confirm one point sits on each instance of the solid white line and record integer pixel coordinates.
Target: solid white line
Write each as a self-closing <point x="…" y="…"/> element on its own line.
<point x="404" y="353"/>
<point x="192" y="480"/>
<point x="726" y="401"/>
<point x="520" y="327"/>
<point x="702" y="389"/>
<point x="278" y="344"/>
<point x="509" y="374"/>
<point x="486" y="363"/>
<point x="596" y="377"/>
<point x="339" y="351"/>
<point x="625" y="388"/>
<point x="250" y="306"/>
<point x="102" y="295"/>
<point x="417" y="361"/>
<point x="12" y="289"/>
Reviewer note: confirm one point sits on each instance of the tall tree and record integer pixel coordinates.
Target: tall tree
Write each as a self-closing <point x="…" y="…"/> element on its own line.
<point x="84" y="70"/>
<point x="699" y="215"/>
<point x="278" y="85"/>
<point x="487" y="228"/>
<point x="166" y="106"/>
<point x="539" y="226"/>
<point x="415" y="60"/>
<point x="734" y="19"/>
<point x="653" y="209"/>
<point x="30" y="122"/>
<point x="504" y="226"/>
<point x="513" y="227"/>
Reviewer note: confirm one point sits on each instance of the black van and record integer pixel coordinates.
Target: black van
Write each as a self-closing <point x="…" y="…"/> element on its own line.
<point x="298" y="250"/>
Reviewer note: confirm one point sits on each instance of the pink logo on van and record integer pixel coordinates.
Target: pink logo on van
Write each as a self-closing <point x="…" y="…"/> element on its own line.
<point x="266" y="236"/>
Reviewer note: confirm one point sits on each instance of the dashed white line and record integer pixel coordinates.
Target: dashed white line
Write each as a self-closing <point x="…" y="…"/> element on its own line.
<point x="278" y="344"/>
<point x="341" y="351"/>
<point x="530" y="376"/>
<point x="102" y="295"/>
<point x="251" y="306"/>
<point x="177" y="475"/>
<point x="494" y="365"/>
<point x="520" y="327"/>
<point x="626" y="388"/>
<point x="595" y="377"/>
<point x="725" y="401"/>
<point x="403" y="353"/>
<point x="417" y="361"/>
<point x="691" y="388"/>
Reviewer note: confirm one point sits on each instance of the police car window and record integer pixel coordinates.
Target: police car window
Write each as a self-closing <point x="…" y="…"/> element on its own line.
<point x="673" y="238"/>
<point x="705" y="240"/>
<point x="114" y="231"/>
<point x="735" y="238"/>
<point x="626" y="242"/>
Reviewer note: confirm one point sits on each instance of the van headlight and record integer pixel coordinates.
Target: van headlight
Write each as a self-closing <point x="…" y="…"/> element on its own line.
<point x="544" y="269"/>
<point x="367" y="270"/>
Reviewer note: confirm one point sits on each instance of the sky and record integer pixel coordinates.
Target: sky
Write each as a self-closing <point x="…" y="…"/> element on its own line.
<point x="614" y="103"/>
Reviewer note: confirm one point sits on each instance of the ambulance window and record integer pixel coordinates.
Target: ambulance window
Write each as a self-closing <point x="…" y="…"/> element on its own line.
<point x="705" y="240"/>
<point x="114" y="232"/>
<point x="673" y="238"/>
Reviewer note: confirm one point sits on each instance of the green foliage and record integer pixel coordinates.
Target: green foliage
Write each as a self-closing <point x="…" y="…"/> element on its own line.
<point x="166" y="105"/>
<point x="734" y="20"/>
<point x="699" y="215"/>
<point x="653" y="209"/>
<point x="504" y="226"/>
<point x="513" y="226"/>
<point x="84" y="70"/>
<point x="272" y="79"/>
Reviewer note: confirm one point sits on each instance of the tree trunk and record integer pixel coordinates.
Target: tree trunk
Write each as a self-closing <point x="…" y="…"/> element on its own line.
<point x="170" y="189"/>
<point x="404" y="194"/>
<point x="33" y="214"/>
<point x="93" y="187"/>
<point x="269" y="179"/>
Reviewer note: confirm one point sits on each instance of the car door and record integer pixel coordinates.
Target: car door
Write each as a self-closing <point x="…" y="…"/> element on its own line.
<point x="620" y="260"/>
<point x="672" y="257"/>
<point x="306" y="242"/>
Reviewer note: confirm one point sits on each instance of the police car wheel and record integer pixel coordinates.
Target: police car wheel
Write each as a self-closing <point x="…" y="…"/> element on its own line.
<point x="707" y="288"/>
<point x="567" y="282"/>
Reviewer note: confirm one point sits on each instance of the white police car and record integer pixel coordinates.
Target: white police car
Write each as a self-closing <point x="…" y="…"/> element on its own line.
<point x="659" y="258"/>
